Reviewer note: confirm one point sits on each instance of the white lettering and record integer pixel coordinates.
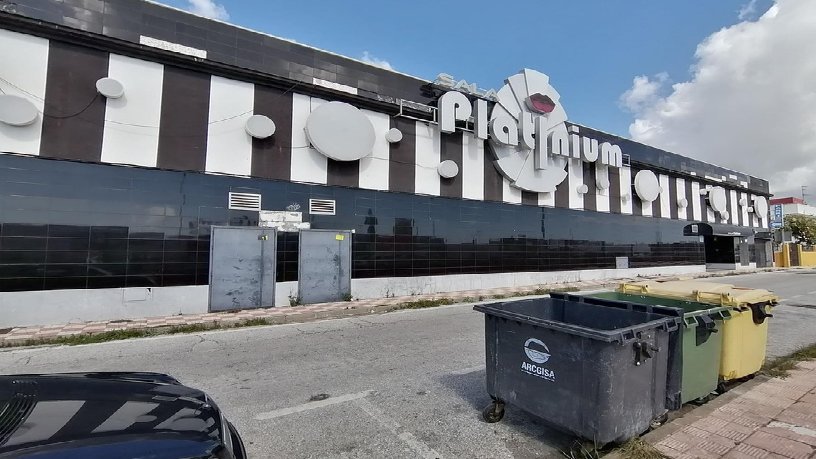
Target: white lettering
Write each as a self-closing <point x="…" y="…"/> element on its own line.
<point x="480" y="116"/>
<point x="575" y="142"/>
<point x="535" y="370"/>
<point x="589" y="149"/>
<point x="503" y="129"/>
<point x="453" y="106"/>
<point x="443" y="79"/>
<point x="526" y="130"/>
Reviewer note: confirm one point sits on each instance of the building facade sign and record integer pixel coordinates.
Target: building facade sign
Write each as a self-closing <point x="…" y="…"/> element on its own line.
<point x="778" y="219"/>
<point x="526" y="130"/>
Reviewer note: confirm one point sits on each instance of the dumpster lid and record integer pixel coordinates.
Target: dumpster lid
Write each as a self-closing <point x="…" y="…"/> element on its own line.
<point x="690" y="309"/>
<point x="715" y="229"/>
<point x="702" y="292"/>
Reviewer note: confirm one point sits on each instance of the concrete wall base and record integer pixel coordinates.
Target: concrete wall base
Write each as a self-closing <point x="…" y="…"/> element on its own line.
<point x="66" y="306"/>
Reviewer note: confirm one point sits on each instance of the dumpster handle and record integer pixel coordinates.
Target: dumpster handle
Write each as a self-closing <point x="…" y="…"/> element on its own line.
<point x="758" y="312"/>
<point x="643" y="351"/>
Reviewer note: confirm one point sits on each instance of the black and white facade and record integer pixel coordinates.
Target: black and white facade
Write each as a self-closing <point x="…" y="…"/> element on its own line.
<point x="139" y="133"/>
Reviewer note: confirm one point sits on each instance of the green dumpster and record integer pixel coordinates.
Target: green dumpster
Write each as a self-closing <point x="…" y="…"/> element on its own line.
<point x="702" y="344"/>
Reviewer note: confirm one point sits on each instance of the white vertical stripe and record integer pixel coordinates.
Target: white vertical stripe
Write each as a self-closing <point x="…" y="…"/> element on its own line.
<point x="746" y="217"/>
<point x="601" y="196"/>
<point x="546" y="199"/>
<point x="509" y="193"/>
<point x="696" y="209"/>
<point x="472" y="166"/>
<point x="646" y="207"/>
<point x="131" y="134"/>
<point x="374" y="168"/>
<point x="575" y="179"/>
<point x="682" y="212"/>
<point x="735" y="207"/>
<point x="626" y="190"/>
<point x="428" y="147"/>
<point x="665" y="196"/>
<point x="24" y="64"/>
<point x="307" y="164"/>
<point x="229" y="147"/>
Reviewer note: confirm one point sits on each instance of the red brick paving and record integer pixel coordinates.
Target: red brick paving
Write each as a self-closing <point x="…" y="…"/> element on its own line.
<point x="774" y="419"/>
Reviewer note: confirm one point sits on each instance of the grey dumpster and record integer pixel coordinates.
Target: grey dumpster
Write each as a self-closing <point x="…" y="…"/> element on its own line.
<point x="593" y="371"/>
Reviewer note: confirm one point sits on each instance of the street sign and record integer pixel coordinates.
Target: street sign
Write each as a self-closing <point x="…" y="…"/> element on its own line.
<point x="778" y="216"/>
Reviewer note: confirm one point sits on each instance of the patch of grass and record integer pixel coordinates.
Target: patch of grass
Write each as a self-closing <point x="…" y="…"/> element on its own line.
<point x="781" y="366"/>
<point x="257" y="322"/>
<point x="87" y="338"/>
<point x="582" y="450"/>
<point x="639" y="449"/>
<point x="422" y="304"/>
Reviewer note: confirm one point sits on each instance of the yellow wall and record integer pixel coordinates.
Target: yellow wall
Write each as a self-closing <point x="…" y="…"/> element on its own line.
<point x="782" y="258"/>
<point x="807" y="258"/>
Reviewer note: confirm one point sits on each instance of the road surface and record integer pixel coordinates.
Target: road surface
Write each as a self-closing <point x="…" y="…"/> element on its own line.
<point x="403" y="385"/>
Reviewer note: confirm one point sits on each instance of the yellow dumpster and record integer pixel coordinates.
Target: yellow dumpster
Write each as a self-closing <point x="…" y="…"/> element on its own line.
<point x="745" y="336"/>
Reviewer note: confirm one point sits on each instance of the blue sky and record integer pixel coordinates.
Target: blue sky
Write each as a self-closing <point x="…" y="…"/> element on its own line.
<point x="591" y="49"/>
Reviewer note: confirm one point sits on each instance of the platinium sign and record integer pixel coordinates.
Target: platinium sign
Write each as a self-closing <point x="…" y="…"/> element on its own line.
<point x="526" y="129"/>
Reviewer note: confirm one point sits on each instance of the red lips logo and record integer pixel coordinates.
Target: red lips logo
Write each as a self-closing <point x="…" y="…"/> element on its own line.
<point x="540" y="103"/>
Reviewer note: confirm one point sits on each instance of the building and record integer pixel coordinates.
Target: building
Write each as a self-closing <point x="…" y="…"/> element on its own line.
<point x="127" y="127"/>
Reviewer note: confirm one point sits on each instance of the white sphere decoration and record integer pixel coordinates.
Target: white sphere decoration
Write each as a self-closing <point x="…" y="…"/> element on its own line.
<point x="110" y="88"/>
<point x="750" y="209"/>
<point x="393" y="135"/>
<point x="448" y="169"/>
<point x="743" y="202"/>
<point x="682" y="203"/>
<point x="340" y="131"/>
<point x="626" y="197"/>
<point x="260" y="126"/>
<point x="718" y="199"/>
<point x="761" y="207"/>
<point x="647" y="186"/>
<point x="17" y="111"/>
<point x="725" y="215"/>
<point x="703" y="191"/>
<point x="582" y="189"/>
<point x="602" y="182"/>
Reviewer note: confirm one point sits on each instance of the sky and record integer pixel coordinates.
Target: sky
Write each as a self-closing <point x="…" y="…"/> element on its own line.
<point x="730" y="82"/>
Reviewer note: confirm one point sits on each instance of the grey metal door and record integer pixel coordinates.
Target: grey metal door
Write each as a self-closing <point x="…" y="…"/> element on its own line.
<point x="324" y="266"/>
<point x="242" y="267"/>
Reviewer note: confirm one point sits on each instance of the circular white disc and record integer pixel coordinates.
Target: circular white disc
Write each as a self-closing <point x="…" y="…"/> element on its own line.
<point x="393" y="135"/>
<point x="743" y="202"/>
<point x="682" y="203"/>
<point x="760" y="206"/>
<point x="582" y="189"/>
<point x="110" y="88"/>
<point x="718" y="199"/>
<point x="17" y="111"/>
<point x="647" y="186"/>
<point x="725" y="215"/>
<point x="448" y="169"/>
<point x="260" y="126"/>
<point x="340" y="131"/>
<point x="625" y="197"/>
<point x="602" y="182"/>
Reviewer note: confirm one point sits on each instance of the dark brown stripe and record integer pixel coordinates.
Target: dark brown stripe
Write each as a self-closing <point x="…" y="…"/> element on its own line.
<point x="673" y="198"/>
<point x="74" y="115"/>
<point x="343" y="173"/>
<point x="272" y="157"/>
<point x="750" y="214"/>
<point x="184" y="116"/>
<point x="637" y="204"/>
<point x="562" y="190"/>
<point x="690" y="201"/>
<point x="451" y="149"/>
<point x="657" y="206"/>
<point x="591" y="197"/>
<point x="529" y="198"/>
<point x="402" y="157"/>
<point x="493" y="180"/>
<point x="614" y="190"/>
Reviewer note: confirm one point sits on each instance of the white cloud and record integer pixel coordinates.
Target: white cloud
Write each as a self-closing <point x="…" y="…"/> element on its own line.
<point x="750" y="104"/>
<point x="644" y="92"/>
<point x="747" y="10"/>
<point x="375" y="61"/>
<point x="208" y="9"/>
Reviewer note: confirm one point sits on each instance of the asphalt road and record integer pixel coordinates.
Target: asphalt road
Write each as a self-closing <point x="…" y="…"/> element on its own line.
<point x="407" y="384"/>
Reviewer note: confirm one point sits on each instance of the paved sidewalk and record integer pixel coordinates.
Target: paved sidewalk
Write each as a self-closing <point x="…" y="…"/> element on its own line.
<point x="280" y="315"/>
<point x="765" y="418"/>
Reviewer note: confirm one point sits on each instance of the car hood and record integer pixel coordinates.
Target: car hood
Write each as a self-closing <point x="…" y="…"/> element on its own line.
<point x="123" y="415"/>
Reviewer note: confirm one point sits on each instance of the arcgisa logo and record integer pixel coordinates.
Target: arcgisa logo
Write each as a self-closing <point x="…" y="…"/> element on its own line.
<point x="537" y="351"/>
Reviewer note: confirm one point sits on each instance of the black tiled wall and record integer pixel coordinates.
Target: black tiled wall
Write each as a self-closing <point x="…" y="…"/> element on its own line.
<point x="66" y="224"/>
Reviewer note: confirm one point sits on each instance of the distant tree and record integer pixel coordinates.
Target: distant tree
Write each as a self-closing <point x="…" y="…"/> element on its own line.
<point x="802" y="227"/>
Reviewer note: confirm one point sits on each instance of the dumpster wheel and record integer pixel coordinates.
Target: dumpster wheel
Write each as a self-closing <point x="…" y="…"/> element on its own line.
<point x="493" y="412"/>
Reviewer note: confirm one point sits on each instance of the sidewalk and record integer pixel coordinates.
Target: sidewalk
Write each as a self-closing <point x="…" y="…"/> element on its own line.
<point x="764" y="418"/>
<point x="281" y="315"/>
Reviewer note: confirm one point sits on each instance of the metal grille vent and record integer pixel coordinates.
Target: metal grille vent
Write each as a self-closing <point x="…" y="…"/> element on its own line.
<point x="322" y="207"/>
<point x="244" y="201"/>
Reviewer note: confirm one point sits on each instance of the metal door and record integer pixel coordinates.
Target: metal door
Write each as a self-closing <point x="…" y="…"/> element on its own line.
<point x="794" y="254"/>
<point x="324" y="266"/>
<point x="744" y="254"/>
<point x="242" y="267"/>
